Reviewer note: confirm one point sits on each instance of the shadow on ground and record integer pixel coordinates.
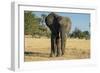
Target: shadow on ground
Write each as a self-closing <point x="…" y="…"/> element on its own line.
<point x="37" y="54"/>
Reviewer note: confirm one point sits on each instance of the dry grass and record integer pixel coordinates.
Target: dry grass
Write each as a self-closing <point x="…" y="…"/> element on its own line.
<point x="39" y="49"/>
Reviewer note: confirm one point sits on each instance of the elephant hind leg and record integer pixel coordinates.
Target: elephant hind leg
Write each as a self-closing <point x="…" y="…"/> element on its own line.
<point x="63" y="47"/>
<point x="63" y="43"/>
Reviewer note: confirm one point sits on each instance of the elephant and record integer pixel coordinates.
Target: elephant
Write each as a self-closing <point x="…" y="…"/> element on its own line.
<point x="60" y="27"/>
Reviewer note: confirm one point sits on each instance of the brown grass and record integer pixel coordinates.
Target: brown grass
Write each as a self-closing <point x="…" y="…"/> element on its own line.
<point x="39" y="49"/>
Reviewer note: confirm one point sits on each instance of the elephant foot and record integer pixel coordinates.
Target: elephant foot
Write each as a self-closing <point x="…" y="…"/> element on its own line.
<point x="63" y="54"/>
<point x="58" y="55"/>
<point x="51" y="55"/>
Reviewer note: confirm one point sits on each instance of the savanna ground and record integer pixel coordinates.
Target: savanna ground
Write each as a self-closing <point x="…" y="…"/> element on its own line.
<point x="38" y="49"/>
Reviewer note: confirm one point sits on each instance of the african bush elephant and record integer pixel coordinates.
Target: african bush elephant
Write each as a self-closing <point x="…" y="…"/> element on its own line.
<point x="59" y="27"/>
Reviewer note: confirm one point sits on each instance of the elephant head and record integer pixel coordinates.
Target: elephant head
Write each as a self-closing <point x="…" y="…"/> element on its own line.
<point x="60" y="27"/>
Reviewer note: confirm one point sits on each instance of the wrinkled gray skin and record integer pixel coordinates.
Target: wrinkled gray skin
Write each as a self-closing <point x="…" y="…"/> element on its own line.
<point x="59" y="27"/>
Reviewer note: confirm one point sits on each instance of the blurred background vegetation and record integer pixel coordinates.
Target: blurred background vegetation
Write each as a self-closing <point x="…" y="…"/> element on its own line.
<point x="36" y="28"/>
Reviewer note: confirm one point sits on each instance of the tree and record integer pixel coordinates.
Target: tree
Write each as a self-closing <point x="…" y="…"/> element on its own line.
<point x="77" y="33"/>
<point x="86" y="35"/>
<point x="31" y="23"/>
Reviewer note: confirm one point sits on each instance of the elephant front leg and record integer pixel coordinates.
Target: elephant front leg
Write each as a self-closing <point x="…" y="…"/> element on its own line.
<point x="53" y="46"/>
<point x="58" y="43"/>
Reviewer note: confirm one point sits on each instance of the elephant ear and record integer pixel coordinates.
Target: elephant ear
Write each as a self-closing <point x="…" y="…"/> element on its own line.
<point x="69" y="23"/>
<point x="49" y="20"/>
<point x="66" y="23"/>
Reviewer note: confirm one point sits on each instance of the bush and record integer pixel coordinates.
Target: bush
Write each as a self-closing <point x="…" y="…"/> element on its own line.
<point x="77" y="33"/>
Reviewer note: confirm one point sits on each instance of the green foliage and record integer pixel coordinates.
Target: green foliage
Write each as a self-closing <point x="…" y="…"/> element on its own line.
<point x="77" y="33"/>
<point x="30" y="22"/>
<point x="32" y="25"/>
<point x="86" y="35"/>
